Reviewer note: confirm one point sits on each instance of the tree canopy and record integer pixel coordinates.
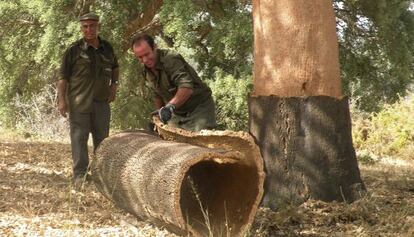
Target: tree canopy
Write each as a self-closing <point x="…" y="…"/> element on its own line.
<point x="376" y="40"/>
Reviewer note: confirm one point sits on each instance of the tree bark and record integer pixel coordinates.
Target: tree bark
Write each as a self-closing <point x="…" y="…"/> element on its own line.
<point x="297" y="113"/>
<point x="307" y="147"/>
<point x="209" y="185"/>
<point x="146" y="22"/>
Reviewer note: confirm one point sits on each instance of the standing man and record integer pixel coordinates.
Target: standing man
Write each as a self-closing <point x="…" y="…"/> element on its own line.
<point x="181" y="98"/>
<point x="88" y="83"/>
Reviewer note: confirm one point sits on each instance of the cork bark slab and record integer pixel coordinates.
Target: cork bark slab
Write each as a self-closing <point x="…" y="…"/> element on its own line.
<point x="198" y="183"/>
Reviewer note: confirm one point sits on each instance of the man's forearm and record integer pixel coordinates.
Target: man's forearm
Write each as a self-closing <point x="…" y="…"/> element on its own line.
<point x="166" y="113"/>
<point x="61" y="86"/>
<point x="182" y="95"/>
<point x="158" y="102"/>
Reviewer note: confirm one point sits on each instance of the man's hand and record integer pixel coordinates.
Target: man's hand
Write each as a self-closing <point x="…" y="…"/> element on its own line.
<point x="62" y="108"/>
<point x="112" y="92"/>
<point x="165" y="113"/>
<point x="61" y="86"/>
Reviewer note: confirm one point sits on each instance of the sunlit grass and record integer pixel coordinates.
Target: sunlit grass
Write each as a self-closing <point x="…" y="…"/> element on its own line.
<point x="388" y="133"/>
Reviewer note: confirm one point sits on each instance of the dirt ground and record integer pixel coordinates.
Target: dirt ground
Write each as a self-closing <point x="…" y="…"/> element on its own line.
<point x="36" y="199"/>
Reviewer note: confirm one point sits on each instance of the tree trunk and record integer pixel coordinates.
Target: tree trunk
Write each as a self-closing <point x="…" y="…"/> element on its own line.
<point x="297" y="113"/>
<point x="307" y="148"/>
<point x="202" y="190"/>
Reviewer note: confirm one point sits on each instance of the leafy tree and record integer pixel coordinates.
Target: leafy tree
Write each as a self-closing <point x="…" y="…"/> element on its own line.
<point x="376" y="44"/>
<point x="33" y="33"/>
<point x="220" y="32"/>
<point x="376" y="49"/>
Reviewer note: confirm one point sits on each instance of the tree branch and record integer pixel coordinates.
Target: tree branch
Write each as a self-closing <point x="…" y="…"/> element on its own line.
<point x="146" y="20"/>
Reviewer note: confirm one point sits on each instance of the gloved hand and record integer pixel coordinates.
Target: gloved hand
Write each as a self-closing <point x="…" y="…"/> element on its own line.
<point x="165" y="113"/>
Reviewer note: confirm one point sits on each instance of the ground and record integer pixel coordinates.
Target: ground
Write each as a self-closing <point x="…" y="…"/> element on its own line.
<point x="37" y="199"/>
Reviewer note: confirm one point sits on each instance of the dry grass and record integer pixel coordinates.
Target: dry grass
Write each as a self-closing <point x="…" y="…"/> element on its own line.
<point x="386" y="210"/>
<point x="36" y="199"/>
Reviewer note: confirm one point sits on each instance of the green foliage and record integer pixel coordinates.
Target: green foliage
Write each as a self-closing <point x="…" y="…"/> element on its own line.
<point x="221" y="33"/>
<point x="376" y="50"/>
<point x="114" y="20"/>
<point x="230" y="95"/>
<point x="134" y="102"/>
<point x="389" y="132"/>
<point x="376" y="43"/>
<point x="33" y="36"/>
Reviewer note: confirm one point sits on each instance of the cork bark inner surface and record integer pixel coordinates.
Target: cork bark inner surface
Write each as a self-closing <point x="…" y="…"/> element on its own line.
<point x="220" y="196"/>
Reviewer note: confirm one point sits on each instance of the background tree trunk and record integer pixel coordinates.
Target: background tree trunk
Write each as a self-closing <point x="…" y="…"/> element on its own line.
<point x="297" y="113"/>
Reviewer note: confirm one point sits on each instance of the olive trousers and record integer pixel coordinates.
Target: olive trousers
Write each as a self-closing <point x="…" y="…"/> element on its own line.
<point x="81" y="124"/>
<point x="202" y="117"/>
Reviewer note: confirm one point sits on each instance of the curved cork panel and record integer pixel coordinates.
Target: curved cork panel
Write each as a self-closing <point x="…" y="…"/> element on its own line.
<point x="295" y="49"/>
<point x="198" y="183"/>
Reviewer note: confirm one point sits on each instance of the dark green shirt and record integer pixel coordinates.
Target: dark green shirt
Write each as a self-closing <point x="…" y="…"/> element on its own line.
<point x="174" y="72"/>
<point x="88" y="72"/>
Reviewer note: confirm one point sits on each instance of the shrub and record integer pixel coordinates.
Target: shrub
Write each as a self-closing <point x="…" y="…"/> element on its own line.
<point x="389" y="132"/>
<point x="134" y="102"/>
<point x="38" y="116"/>
<point x="131" y="109"/>
<point x="230" y="95"/>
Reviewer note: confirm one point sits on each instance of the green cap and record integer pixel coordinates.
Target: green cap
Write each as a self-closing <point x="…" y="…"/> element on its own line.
<point x="89" y="16"/>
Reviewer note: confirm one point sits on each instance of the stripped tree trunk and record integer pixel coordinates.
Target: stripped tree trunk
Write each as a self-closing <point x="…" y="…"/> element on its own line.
<point x="297" y="113"/>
